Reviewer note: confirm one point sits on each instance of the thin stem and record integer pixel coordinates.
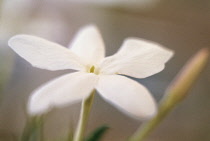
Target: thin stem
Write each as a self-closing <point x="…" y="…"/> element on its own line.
<point x="83" y="119"/>
<point x="33" y="129"/>
<point x="146" y="128"/>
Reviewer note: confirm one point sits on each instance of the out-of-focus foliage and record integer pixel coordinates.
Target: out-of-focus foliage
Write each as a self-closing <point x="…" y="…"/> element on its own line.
<point x="128" y="4"/>
<point x="97" y="134"/>
<point x="33" y="130"/>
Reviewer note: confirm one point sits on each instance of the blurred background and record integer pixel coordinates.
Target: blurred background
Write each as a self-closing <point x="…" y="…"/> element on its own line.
<point x="181" y="25"/>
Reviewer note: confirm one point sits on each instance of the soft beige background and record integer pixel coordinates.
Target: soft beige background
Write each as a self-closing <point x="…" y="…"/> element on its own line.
<point x="183" y="26"/>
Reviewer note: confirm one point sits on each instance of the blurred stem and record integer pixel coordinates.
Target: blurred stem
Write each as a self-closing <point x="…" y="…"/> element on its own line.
<point x="164" y="108"/>
<point x="176" y="92"/>
<point x="85" y="111"/>
<point x="33" y="130"/>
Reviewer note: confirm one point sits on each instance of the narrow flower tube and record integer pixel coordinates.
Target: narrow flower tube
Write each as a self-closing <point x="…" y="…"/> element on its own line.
<point x="176" y="92"/>
<point x="188" y="75"/>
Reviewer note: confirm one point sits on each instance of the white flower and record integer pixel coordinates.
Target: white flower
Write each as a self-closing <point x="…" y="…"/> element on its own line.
<point x="137" y="58"/>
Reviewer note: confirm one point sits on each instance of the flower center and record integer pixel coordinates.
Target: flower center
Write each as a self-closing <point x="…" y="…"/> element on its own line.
<point x="93" y="69"/>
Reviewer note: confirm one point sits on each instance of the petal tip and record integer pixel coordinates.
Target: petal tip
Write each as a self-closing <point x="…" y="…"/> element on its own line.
<point x="147" y="42"/>
<point x="149" y="113"/>
<point x="33" y="109"/>
<point x="15" y="38"/>
<point x="90" y="26"/>
<point x="12" y="40"/>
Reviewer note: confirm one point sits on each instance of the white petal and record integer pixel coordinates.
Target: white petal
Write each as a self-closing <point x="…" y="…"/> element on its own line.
<point x="137" y="58"/>
<point x="127" y="95"/>
<point x="44" y="54"/>
<point x="88" y="44"/>
<point x="64" y="90"/>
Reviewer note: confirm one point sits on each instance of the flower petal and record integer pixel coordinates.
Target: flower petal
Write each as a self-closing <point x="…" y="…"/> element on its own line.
<point x="64" y="90"/>
<point x="127" y="95"/>
<point x="137" y="58"/>
<point x="88" y="44"/>
<point x="44" y="54"/>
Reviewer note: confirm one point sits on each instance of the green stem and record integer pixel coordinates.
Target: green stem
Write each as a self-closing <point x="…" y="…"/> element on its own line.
<point x="146" y="128"/>
<point x="33" y="130"/>
<point x="85" y="111"/>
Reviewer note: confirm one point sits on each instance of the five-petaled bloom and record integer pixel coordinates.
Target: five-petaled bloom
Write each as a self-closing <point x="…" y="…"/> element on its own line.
<point x="137" y="58"/>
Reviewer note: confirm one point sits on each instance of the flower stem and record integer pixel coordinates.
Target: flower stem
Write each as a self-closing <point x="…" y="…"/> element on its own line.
<point x="146" y="128"/>
<point x="84" y="114"/>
